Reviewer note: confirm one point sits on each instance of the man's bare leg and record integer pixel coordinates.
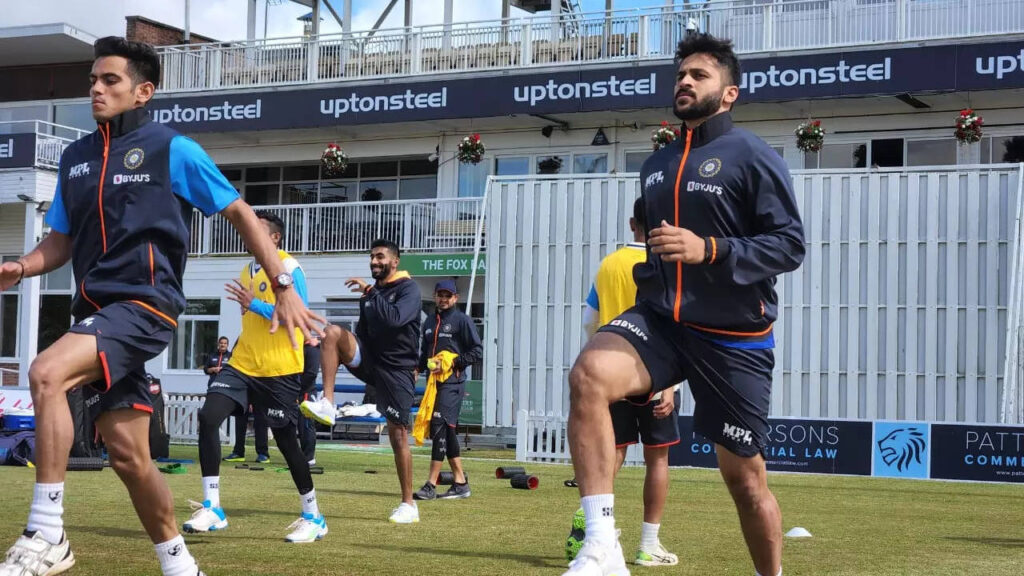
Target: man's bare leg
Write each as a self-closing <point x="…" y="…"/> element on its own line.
<point x="399" y="437"/>
<point x="338" y="347"/>
<point x="760" y="518"/>
<point x="655" y="483"/>
<point x="607" y="370"/>
<point x="126" y="434"/>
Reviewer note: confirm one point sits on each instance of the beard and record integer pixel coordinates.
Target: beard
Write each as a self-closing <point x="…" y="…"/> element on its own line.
<point x="703" y="108"/>
<point x="381" y="273"/>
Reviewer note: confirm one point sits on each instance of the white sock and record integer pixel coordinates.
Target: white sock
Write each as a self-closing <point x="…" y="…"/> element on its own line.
<point x="309" y="504"/>
<point x="211" y="490"/>
<point x="599" y="511"/>
<point x="649" y="535"/>
<point x="779" y="574"/>
<point x="175" y="559"/>
<point x="46" y="514"/>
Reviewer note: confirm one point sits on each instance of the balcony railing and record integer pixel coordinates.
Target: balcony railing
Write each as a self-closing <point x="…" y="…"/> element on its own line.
<point x="601" y="37"/>
<point x="416" y="226"/>
<point x="50" y="139"/>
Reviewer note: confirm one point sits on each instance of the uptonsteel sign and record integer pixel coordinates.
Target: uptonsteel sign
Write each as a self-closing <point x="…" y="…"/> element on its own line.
<point x="633" y="86"/>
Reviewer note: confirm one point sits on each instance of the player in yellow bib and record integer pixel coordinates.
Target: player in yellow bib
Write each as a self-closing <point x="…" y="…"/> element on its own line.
<point x="265" y="370"/>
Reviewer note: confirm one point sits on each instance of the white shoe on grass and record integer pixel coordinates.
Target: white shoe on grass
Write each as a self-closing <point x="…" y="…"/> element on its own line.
<point x="655" y="556"/>
<point x="322" y="411"/>
<point x="205" y="518"/>
<point x="307" y="528"/>
<point x="598" y="559"/>
<point x="405" y="514"/>
<point x="32" y="555"/>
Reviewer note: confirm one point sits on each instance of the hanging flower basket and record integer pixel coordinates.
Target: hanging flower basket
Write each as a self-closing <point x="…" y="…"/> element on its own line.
<point x="968" y="127"/>
<point x="810" y="136"/>
<point x="471" y="149"/>
<point x="664" y="135"/>
<point x="549" y="165"/>
<point x="333" y="161"/>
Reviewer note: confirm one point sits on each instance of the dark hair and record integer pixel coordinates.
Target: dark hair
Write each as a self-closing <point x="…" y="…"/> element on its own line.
<point x="719" y="49"/>
<point x="276" y="224"/>
<point x="143" y="63"/>
<point x="638" y="213"/>
<point x="223" y="338"/>
<point x="387" y="245"/>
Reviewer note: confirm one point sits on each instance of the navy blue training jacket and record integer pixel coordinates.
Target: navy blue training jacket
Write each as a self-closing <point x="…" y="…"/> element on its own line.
<point x="389" y="323"/>
<point x="726" y="185"/>
<point x="451" y="330"/>
<point x="125" y="195"/>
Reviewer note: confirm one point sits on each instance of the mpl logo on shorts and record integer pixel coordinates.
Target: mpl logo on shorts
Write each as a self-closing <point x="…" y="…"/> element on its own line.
<point x="692" y="186"/>
<point x="737" y="434"/>
<point x="901" y="449"/>
<point x="275" y="413"/>
<point x="129" y="178"/>
<point x="630" y="327"/>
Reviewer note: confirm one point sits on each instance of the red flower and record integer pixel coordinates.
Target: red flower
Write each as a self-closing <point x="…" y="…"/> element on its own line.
<point x="476" y="137"/>
<point x="664" y="122"/>
<point x="816" y="123"/>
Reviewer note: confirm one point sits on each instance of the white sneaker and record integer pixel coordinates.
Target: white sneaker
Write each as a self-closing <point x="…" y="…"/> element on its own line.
<point x="205" y="518"/>
<point x="307" y="528"/>
<point x="322" y="410"/>
<point x="598" y="559"/>
<point x="656" y="556"/>
<point x="31" y="555"/>
<point x="405" y="514"/>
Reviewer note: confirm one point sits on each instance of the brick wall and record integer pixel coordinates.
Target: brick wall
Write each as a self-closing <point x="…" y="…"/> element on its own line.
<point x="156" y="33"/>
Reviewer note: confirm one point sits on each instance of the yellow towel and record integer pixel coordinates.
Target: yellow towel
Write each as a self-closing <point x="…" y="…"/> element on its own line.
<point x="421" y="427"/>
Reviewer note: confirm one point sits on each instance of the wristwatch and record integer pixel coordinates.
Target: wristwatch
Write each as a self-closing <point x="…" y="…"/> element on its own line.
<point x="281" y="281"/>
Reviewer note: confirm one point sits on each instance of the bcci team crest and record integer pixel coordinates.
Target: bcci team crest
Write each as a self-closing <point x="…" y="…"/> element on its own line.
<point x="263" y="286"/>
<point x="448" y="328"/>
<point x="133" y="159"/>
<point x="710" y="167"/>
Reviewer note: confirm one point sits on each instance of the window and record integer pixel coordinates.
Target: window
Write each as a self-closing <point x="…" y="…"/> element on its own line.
<point x="999" y="149"/>
<point x="512" y="166"/>
<point x="196" y="335"/>
<point x="851" y="155"/>
<point x="590" y="164"/>
<point x="473" y="179"/>
<point x="304" y="183"/>
<point x="554" y="164"/>
<point x="931" y="152"/>
<point x="887" y="152"/>
<point x="635" y="160"/>
<point x="26" y="113"/>
<point x="75" y="115"/>
<point x="9" y="323"/>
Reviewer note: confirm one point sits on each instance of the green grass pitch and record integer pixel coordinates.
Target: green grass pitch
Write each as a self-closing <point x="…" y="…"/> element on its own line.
<point x="861" y="526"/>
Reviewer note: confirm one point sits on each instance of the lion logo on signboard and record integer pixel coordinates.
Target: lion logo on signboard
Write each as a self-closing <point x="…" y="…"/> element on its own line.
<point x="902" y="447"/>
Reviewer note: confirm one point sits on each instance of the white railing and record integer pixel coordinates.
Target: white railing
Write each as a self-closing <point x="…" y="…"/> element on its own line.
<point x="638" y="34"/>
<point x="181" y="416"/>
<point x="443" y="224"/>
<point x="51" y="139"/>
<point x="544" y="437"/>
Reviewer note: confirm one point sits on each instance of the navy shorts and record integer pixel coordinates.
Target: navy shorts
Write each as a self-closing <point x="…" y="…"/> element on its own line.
<point x="448" y="402"/>
<point x="127" y="336"/>
<point x="634" y="423"/>
<point x="393" y="388"/>
<point x="276" y="397"/>
<point x="731" y="387"/>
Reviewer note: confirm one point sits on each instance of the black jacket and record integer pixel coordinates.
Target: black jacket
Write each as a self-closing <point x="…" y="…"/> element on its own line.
<point x="389" y="323"/>
<point x="726" y="185"/>
<point x="451" y="330"/>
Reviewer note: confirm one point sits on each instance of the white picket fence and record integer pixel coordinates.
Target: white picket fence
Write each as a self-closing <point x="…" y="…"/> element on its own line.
<point x="899" y="311"/>
<point x="181" y="416"/>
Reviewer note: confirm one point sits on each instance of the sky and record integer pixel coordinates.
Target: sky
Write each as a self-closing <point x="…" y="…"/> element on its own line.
<point x="226" y="19"/>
